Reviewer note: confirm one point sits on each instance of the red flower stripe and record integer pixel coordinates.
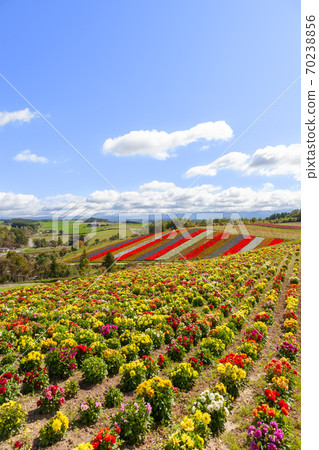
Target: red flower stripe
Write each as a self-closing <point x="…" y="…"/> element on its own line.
<point x="239" y="246"/>
<point x="203" y="247"/>
<point x="276" y="241"/>
<point x="118" y="247"/>
<point x="171" y="247"/>
<point x="149" y="244"/>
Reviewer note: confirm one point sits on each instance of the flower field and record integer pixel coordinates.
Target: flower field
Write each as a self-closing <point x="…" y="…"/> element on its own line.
<point x="196" y="243"/>
<point x="157" y="359"/>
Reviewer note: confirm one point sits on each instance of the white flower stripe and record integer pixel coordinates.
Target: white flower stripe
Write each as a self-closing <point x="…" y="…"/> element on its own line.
<point x="252" y="244"/>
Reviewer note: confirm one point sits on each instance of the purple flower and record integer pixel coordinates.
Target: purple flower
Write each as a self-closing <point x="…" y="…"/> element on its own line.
<point x="271" y="447"/>
<point x="257" y="434"/>
<point x="253" y="446"/>
<point x="148" y="408"/>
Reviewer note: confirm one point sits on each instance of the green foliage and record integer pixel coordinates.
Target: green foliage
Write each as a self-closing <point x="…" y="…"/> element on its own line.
<point x="94" y="370"/>
<point x="113" y="397"/>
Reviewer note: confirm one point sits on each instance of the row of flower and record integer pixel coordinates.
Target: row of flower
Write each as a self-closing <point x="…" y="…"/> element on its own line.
<point x="271" y="427"/>
<point x="97" y="339"/>
<point x="233" y="370"/>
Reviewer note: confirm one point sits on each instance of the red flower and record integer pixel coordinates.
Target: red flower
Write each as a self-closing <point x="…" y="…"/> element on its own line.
<point x="2" y="389"/>
<point x="18" y="444"/>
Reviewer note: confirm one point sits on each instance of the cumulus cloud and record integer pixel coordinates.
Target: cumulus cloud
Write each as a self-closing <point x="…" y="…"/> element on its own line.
<point x="157" y="186"/>
<point x="23" y="204"/>
<point x="24" y="115"/>
<point x="160" y="144"/>
<point x="232" y="160"/>
<point x="26" y="155"/>
<point x="268" y="161"/>
<point x="156" y="199"/>
<point x="279" y="160"/>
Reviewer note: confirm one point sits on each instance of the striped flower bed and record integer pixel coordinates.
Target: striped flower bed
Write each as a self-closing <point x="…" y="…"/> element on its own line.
<point x="173" y="249"/>
<point x="240" y="245"/>
<point x="276" y="241"/>
<point x="203" y="247"/>
<point x="145" y="246"/>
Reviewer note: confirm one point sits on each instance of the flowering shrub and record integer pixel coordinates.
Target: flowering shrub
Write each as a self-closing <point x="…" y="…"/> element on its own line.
<point x="214" y="345"/>
<point x="113" y="397"/>
<point x="134" y="420"/>
<point x="82" y="353"/>
<point x="30" y="362"/>
<point x="224" y="333"/>
<point x="108" y="331"/>
<point x="264" y="317"/>
<point x="35" y="380"/>
<point x="133" y="374"/>
<point x="232" y="377"/>
<point x="175" y="351"/>
<point x="106" y="440"/>
<point x="71" y="388"/>
<point x="51" y="399"/>
<point x="152" y="367"/>
<point x="160" y="395"/>
<point x="205" y="355"/>
<point x="12" y="418"/>
<point x="144" y="343"/>
<point x="182" y="440"/>
<point x="60" y="362"/>
<point x="213" y="404"/>
<point x="194" y="432"/>
<point x="54" y="430"/>
<point x="9" y="387"/>
<point x="265" y="413"/>
<point x="280" y="368"/>
<point x="184" y="376"/>
<point x="239" y="359"/>
<point x="114" y="359"/>
<point x="250" y="348"/>
<point x="94" y="370"/>
<point x="268" y="436"/>
<point x="157" y="336"/>
<point x="131" y="352"/>
<point x="196" y="364"/>
<point x="291" y="325"/>
<point x="287" y="350"/>
<point x="90" y="410"/>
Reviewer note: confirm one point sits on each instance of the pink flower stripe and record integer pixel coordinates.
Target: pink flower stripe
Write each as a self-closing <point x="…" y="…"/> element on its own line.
<point x="118" y="247"/>
<point x="274" y="225"/>
<point x="276" y="241"/>
<point x="203" y="247"/>
<point x="176" y="244"/>
<point x="149" y="244"/>
<point x="240" y="245"/>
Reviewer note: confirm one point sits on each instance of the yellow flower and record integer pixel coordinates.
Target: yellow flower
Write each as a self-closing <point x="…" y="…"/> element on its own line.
<point x="56" y="425"/>
<point x="206" y="418"/>
<point x="187" y="424"/>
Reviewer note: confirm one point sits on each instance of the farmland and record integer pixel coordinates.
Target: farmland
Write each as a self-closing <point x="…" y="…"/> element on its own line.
<point x="205" y="354"/>
<point x="194" y="243"/>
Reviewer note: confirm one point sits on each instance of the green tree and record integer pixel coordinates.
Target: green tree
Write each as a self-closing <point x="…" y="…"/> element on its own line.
<point x="84" y="264"/>
<point x="108" y="262"/>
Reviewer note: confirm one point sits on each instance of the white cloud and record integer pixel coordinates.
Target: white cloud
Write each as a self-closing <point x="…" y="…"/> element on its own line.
<point x="160" y="144"/>
<point x="12" y="204"/>
<point x="268" y="161"/>
<point x="157" y="186"/>
<point x="26" y="155"/>
<point x="173" y="199"/>
<point x="24" y="115"/>
<point x="232" y="160"/>
<point x="279" y="160"/>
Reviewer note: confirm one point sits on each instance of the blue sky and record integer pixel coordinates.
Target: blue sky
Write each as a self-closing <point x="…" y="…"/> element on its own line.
<point x="100" y="71"/>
